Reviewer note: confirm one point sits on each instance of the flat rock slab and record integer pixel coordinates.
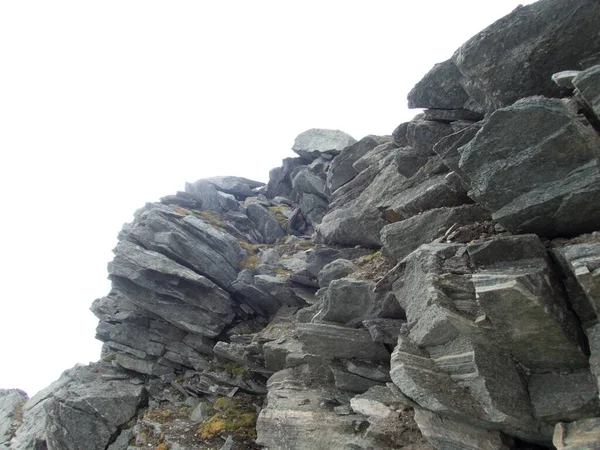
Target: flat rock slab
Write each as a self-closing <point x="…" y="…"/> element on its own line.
<point x="524" y="49"/>
<point x="332" y="341"/>
<point x="401" y="238"/>
<point x="564" y="397"/>
<point x="11" y="400"/>
<point x="545" y="178"/>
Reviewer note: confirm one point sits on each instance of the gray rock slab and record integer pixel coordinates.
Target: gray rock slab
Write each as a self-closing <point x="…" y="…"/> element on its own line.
<point x="564" y="397"/>
<point x="347" y="301"/>
<point x="186" y="239"/>
<point x="342" y="169"/>
<point x="422" y="135"/>
<point x="296" y="418"/>
<point x="401" y="238"/>
<point x="332" y="341"/>
<point x="266" y="224"/>
<point x="441" y="88"/>
<point x="236" y="186"/>
<point x="524" y="49"/>
<point x="335" y="270"/>
<point x="84" y="409"/>
<point x="385" y="331"/>
<point x="564" y="78"/>
<point x="446" y="433"/>
<point x="179" y="295"/>
<point x="210" y="197"/>
<point x="373" y="157"/>
<point x="452" y="115"/>
<point x="529" y="182"/>
<point x="312" y="143"/>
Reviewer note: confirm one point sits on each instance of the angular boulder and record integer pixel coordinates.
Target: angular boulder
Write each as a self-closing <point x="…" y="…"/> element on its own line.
<point x="543" y="179"/>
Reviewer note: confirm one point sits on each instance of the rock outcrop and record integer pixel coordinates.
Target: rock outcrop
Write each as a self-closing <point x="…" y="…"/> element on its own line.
<point x="438" y="288"/>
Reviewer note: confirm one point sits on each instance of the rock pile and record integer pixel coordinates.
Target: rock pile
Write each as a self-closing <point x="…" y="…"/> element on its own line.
<point x="438" y="288"/>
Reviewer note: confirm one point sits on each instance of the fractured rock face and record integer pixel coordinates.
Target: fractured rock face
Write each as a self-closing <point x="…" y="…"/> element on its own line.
<point x="474" y="308"/>
<point x="529" y="181"/>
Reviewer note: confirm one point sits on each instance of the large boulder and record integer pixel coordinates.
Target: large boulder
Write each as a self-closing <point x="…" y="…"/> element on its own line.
<point x="85" y="409"/>
<point x="280" y="178"/>
<point x="543" y="179"/>
<point x="315" y="142"/>
<point x="440" y="89"/>
<point x="516" y="56"/>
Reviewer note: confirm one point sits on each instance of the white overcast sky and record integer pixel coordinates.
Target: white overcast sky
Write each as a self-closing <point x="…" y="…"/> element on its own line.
<point x="105" y="105"/>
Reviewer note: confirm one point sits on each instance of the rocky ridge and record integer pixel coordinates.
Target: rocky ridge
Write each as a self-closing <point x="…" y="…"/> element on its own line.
<point x="438" y="288"/>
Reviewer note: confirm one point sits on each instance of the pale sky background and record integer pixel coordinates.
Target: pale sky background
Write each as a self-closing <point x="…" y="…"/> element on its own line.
<point x="105" y="105"/>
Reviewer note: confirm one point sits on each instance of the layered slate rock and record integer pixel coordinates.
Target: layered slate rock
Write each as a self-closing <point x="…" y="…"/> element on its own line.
<point x="280" y="178"/>
<point x="169" y="290"/>
<point x="187" y="239"/>
<point x="317" y="142"/>
<point x="528" y="180"/>
<point x="443" y="432"/>
<point x="472" y="309"/>
<point x="401" y="238"/>
<point x="84" y="409"/>
<point x="298" y="416"/>
<point x="525" y="49"/>
<point x="342" y="169"/>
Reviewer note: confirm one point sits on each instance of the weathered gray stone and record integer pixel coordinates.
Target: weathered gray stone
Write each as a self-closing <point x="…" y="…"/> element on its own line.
<point x="524" y="49"/>
<point x="280" y="181"/>
<point x="312" y="143"/>
<point x="350" y="382"/>
<point x="409" y="162"/>
<point x="564" y="78"/>
<point x="84" y="409"/>
<point x="587" y="83"/>
<point x="158" y="284"/>
<point x="448" y="434"/>
<point x="530" y="183"/>
<point x="401" y="238"/>
<point x="278" y="286"/>
<point x="211" y="198"/>
<point x="422" y="135"/>
<point x="377" y="401"/>
<point x="332" y="341"/>
<point x="335" y="270"/>
<point x="266" y="224"/>
<point x="183" y="199"/>
<point x="347" y="301"/>
<point x="309" y="191"/>
<point x="385" y="331"/>
<point x="580" y="435"/>
<point x="186" y="239"/>
<point x="297" y="417"/>
<point x="320" y="256"/>
<point x="441" y="88"/>
<point x="593" y="335"/>
<point x="342" y="169"/>
<point x="564" y="397"/>
<point x="448" y="148"/>
<point x="399" y="135"/>
<point x="581" y="264"/>
<point x="373" y="157"/>
<point x="237" y="186"/>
